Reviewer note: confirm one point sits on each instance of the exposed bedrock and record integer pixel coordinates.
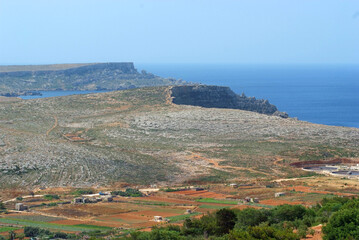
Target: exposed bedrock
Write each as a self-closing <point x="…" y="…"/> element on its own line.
<point x="221" y="97"/>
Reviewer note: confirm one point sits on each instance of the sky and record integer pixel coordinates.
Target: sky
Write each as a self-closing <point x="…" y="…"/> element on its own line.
<point x="179" y="31"/>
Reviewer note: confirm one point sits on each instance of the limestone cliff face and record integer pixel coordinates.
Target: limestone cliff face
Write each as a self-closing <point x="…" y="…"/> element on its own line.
<point x="221" y="97"/>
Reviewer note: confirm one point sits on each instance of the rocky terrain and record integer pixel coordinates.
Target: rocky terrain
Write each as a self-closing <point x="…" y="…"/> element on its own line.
<point x="221" y="97"/>
<point x="140" y="136"/>
<point x="29" y="79"/>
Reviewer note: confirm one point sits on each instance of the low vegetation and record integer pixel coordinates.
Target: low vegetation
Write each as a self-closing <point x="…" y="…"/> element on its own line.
<point x="286" y="222"/>
<point x="129" y="192"/>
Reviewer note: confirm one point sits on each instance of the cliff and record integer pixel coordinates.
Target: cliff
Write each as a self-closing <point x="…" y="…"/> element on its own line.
<point x="221" y="97"/>
<point x="20" y="80"/>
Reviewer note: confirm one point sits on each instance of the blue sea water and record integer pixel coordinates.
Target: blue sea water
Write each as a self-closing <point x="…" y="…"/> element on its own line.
<point x="319" y="94"/>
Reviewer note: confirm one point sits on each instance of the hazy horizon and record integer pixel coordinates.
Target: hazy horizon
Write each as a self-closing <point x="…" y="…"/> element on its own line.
<point x="324" y="32"/>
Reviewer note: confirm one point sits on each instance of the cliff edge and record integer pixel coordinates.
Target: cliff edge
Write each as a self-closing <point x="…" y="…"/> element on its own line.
<point x="221" y="97"/>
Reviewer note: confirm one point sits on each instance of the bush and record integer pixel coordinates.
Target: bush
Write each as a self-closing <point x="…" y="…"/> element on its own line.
<point x="265" y="232"/>
<point x="82" y="191"/>
<point x="31" y="231"/>
<point x="35" y="231"/>
<point x="60" y="235"/>
<point x="130" y="192"/>
<point x="2" y="206"/>
<point x="51" y="197"/>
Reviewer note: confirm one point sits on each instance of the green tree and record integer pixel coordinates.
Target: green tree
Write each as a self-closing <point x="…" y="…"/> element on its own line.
<point x="31" y="231"/>
<point x="344" y="224"/>
<point x="263" y="233"/>
<point x="251" y="217"/>
<point x="12" y="235"/>
<point x="226" y="219"/>
<point x="287" y="213"/>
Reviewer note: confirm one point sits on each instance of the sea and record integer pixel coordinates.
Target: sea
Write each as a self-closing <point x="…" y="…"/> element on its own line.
<point x="323" y="94"/>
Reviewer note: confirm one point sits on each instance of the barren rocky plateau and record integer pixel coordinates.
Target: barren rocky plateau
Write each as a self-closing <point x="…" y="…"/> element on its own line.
<point x="140" y="136"/>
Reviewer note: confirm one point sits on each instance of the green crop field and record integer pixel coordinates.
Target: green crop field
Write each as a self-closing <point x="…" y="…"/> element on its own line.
<point x="75" y="228"/>
<point x="213" y="207"/>
<point x="7" y="229"/>
<point x="182" y="217"/>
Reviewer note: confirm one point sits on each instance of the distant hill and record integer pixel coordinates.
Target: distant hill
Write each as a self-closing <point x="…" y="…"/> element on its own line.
<point x="28" y="79"/>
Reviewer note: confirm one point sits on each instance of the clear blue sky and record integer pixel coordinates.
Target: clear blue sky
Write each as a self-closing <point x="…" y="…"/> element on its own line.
<point x="179" y="31"/>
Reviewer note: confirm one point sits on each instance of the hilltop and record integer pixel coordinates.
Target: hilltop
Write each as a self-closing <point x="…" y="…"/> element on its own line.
<point x="140" y="136"/>
<point x="29" y="79"/>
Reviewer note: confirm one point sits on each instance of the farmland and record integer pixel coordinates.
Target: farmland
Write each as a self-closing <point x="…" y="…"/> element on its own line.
<point x="125" y="214"/>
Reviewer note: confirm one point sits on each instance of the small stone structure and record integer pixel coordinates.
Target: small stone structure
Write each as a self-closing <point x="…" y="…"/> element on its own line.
<point x="107" y="199"/>
<point x="21" y="207"/>
<point x="158" y="218"/>
<point x="279" y="194"/>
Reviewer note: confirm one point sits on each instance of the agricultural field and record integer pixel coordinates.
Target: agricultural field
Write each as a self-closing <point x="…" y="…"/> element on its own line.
<point x="125" y="214"/>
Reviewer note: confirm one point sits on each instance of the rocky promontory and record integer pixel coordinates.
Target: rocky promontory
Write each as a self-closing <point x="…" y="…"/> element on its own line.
<point x="221" y="97"/>
<point x="21" y="80"/>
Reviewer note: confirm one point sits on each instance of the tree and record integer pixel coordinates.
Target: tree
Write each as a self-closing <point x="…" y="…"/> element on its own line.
<point x="343" y="224"/>
<point x="2" y="206"/>
<point x="226" y="219"/>
<point x="31" y="231"/>
<point x="251" y="217"/>
<point x="287" y="213"/>
<point x="12" y="235"/>
<point x="261" y="233"/>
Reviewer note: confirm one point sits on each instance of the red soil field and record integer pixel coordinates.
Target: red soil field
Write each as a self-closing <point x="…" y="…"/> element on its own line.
<point x="276" y="202"/>
<point x="309" y="190"/>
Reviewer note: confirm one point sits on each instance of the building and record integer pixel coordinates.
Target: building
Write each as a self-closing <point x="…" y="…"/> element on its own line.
<point x="279" y="194"/>
<point x="158" y="218"/>
<point x="107" y="199"/>
<point x="188" y="211"/>
<point x="21" y="207"/>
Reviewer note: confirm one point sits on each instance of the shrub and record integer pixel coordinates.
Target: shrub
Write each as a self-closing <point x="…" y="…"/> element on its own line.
<point x="130" y="192"/>
<point x="51" y="197"/>
<point x="31" y="231"/>
<point x="2" y="206"/>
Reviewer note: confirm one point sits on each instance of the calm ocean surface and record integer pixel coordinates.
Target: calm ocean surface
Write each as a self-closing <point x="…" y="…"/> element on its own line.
<point x="319" y="94"/>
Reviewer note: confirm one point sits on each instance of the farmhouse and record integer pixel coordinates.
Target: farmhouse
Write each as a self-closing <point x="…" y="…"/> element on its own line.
<point x="279" y="194"/>
<point x="158" y="218"/>
<point x="21" y="207"/>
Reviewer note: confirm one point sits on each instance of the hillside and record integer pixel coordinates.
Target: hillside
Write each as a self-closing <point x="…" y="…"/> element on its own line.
<point x="139" y="136"/>
<point x="29" y="79"/>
